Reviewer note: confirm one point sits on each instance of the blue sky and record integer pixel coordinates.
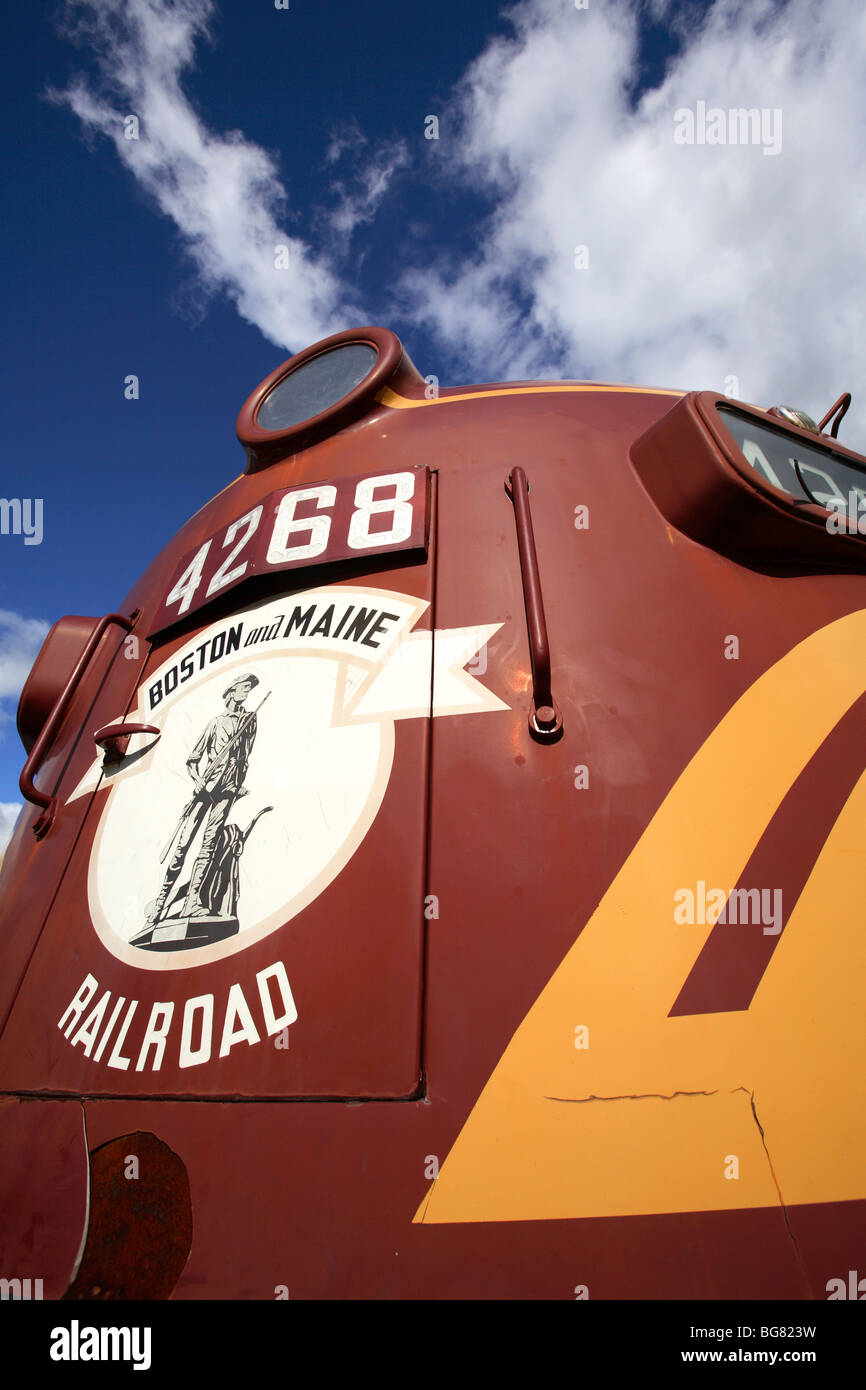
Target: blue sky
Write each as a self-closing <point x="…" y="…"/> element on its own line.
<point x="306" y="126"/>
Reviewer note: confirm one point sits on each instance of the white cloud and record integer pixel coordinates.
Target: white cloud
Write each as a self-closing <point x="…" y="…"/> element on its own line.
<point x="359" y="202"/>
<point x="20" y="640"/>
<point x="8" y="816"/>
<point x="346" y="136"/>
<point x="222" y="191"/>
<point x="704" y="261"/>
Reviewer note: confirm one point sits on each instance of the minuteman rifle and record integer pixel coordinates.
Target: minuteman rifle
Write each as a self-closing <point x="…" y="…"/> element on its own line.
<point x="201" y="788"/>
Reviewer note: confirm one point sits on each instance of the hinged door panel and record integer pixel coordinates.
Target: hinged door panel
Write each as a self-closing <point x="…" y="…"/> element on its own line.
<point x="243" y="912"/>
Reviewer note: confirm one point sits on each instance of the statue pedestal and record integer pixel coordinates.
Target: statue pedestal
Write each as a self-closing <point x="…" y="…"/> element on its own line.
<point x="185" y="933"/>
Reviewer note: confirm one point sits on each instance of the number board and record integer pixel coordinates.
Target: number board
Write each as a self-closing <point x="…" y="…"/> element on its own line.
<point x="316" y="524"/>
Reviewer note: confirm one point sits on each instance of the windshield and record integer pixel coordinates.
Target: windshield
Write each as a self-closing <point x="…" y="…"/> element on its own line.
<point x="810" y="473"/>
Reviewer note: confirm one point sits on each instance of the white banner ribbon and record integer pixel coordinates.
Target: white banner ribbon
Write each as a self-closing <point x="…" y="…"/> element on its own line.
<point x="389" y="671"/>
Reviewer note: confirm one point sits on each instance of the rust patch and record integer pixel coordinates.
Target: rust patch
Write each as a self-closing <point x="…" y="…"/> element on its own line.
<point x="140" y="1229"/>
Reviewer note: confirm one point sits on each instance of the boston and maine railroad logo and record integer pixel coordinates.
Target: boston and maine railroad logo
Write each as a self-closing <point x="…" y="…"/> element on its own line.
<point x="276" y="740"/>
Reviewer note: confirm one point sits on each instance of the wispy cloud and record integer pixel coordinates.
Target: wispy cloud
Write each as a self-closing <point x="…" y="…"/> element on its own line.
<point x="360" y="195"/>
<point x="9" y="811"/>
<point x="346" y="137"/>
<point x="223" y="192"/>
<point x="20" y="640"/>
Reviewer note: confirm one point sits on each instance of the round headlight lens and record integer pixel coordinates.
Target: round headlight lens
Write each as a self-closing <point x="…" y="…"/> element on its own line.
<point x="315" y="386"/>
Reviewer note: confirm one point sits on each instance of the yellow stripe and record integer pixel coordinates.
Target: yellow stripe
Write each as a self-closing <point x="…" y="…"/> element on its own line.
<point x="390" y="398"/>
<point x="655" y="1114"/>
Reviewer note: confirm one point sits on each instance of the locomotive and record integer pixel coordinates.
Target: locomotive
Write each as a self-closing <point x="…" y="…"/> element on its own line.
<point x="438" y="876"/>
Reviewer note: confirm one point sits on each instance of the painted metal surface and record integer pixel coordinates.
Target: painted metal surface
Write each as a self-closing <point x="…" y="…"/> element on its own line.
<point x="496" y="1040"/>
<point x="44" y="1186"/>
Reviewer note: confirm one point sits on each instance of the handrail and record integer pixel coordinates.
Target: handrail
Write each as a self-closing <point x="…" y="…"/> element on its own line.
<point x="113" y="739"/>
<point x="545" y="719"/>
<point x="836" y="413"/>
<point x="29" y="791"/>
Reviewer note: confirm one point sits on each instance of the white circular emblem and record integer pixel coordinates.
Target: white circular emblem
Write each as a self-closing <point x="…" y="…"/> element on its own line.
<point x="276" y="740"/>
<point x="251" y="802"/>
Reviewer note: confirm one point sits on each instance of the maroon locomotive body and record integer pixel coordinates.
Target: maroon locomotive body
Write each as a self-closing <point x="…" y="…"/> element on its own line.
<point x="439" y="875"/>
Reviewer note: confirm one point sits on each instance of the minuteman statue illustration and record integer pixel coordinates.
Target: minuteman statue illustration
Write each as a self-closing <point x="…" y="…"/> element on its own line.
<point x="218" y="767"/>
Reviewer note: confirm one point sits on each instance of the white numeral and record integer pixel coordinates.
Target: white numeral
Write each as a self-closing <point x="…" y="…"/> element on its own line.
<point x="360" y="536"/>
<point x="287" y="524"/>
<point x="189" y="581"/>
<point x="224" y="575"/>
<point x="759" y="461"/>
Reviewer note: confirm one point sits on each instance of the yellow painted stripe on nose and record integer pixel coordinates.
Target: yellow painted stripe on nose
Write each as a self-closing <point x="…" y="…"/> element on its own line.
<point x="662" y="1114"/>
